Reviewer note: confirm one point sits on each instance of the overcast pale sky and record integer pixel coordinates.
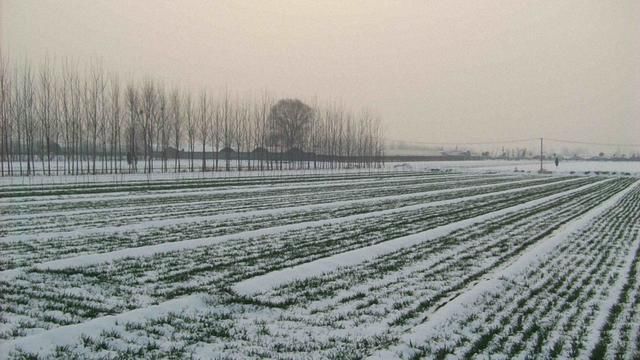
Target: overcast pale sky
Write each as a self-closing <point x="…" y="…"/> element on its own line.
<point x="435" y="71"/>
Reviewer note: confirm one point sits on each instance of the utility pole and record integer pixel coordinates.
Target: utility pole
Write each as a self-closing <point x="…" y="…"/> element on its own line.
<point x="541" y="146"/>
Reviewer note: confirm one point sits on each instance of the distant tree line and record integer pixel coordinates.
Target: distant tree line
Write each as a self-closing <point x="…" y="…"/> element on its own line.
<point x="57" y="120"/>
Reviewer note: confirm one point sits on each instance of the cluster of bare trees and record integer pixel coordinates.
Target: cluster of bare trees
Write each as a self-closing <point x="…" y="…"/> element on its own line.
<point x="59" y="120"/>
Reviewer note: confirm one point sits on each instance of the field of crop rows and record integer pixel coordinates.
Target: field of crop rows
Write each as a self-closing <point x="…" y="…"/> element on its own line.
<point x="357" y="265"/>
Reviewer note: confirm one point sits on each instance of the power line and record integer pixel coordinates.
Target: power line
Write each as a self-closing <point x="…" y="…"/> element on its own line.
<point x="468" y="143"/>
<point x="592" y="143"/>
<point x="496" y="142"/>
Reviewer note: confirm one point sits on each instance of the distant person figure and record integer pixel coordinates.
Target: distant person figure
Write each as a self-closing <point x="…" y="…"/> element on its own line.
<point x="557" y="161"/>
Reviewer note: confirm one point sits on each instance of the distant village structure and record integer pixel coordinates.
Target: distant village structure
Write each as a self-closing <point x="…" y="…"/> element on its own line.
<point x="403" y="151"/>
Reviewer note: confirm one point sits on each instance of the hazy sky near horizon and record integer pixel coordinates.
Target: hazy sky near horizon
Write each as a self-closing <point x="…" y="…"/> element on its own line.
<point x="435" y="71"/>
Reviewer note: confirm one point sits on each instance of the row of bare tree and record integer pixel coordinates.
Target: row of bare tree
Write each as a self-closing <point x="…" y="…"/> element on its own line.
<point x="60" y="120"/>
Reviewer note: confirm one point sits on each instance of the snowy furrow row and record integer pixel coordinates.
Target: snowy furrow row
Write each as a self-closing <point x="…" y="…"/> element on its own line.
<point x="115" y="214"/>
<point x="27" y="249"/>
<point x="134" y="282"/>
<point x="329" y="323"/>
<point x="545" y="310"/>
<point x="338" y="266"/>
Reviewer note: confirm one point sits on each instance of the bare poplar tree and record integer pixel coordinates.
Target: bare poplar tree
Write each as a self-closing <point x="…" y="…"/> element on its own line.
<point x="148" y="113"/>
<point x="116" y="125"/>
<point x="44" y="108"/>
<point x="5" y="131"/>
<point x="94" y="97"/>
<point x="27" y="118"/>
<point x="176" y="118"/>
<point x="163" y="131"/>
<point x="134" y="114"/>
<point x="214" y="130"/>
<point x="227" y="128"/>
<point x="191" y="127"/>
<point x="203" y="124"/>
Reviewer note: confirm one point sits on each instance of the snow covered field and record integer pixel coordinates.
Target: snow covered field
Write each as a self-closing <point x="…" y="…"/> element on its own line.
<point x="380" y="264"/>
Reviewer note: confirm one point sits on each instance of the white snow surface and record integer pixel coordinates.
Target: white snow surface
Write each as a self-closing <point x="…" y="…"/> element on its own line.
<point x="421" y="333"/>
<point x="46" y="342"/>
<point x="318" y="267"/>
<point x="299" y="322"/>
<point x="236" y="215"/>
<point x="146" y="251"/>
